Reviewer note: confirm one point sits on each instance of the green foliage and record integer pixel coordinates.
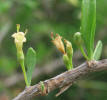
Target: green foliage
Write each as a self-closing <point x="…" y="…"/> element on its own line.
<point x="98" y="50"/>
<point x="30" y="63"/>
<point x="88" y="25"/>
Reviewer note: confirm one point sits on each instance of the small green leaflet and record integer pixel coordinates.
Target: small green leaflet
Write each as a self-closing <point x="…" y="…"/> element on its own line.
<point x="42" y="86"/>
<point x="98" y="50"/>
<point x="30" y="63"/>
<point x="88" y="25"/>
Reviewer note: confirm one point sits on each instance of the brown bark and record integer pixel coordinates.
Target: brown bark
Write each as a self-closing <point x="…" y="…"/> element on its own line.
<point x="63" y="80"/>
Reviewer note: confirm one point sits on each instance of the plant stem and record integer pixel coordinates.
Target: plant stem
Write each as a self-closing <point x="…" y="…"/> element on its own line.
<point x="70" y="62"/>
<point x="67" y="61"/>
<point x="24" y="72"/>
<point x="82" y="51"/>
<point x="69" y="67"/>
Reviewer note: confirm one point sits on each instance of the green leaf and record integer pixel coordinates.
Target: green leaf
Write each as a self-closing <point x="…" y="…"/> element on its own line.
<point x="98" y="50"/>
<point x="30" y="62"/>
<point x="88" y="25"/>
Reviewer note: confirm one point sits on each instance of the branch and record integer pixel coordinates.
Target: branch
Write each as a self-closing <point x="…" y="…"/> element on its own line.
<point x="63" y="80"/>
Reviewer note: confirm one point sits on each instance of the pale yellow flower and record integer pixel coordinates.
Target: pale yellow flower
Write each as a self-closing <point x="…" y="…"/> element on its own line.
<point x="19" y="38"/>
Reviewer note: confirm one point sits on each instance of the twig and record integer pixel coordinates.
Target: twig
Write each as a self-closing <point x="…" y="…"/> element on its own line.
<point x="62" y="80"/>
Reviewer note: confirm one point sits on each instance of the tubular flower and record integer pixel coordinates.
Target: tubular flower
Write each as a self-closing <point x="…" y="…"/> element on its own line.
<point x="19" y="39"/>
<point x="57" y="41"/>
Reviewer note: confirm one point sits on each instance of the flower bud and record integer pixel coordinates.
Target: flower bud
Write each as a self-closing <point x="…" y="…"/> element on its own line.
<point x="78" y="39"/>
<point x="57" y="41"/>
<point x="69" y="49"/>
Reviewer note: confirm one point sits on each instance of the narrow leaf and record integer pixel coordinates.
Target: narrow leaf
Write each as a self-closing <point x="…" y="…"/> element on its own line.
<point x="88" y="25"/>
<point x="30" y="62"/>
<point x="98" y="50"/>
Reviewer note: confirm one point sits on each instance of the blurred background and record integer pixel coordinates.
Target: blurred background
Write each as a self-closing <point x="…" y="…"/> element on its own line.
<point x="41" y="17"/>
